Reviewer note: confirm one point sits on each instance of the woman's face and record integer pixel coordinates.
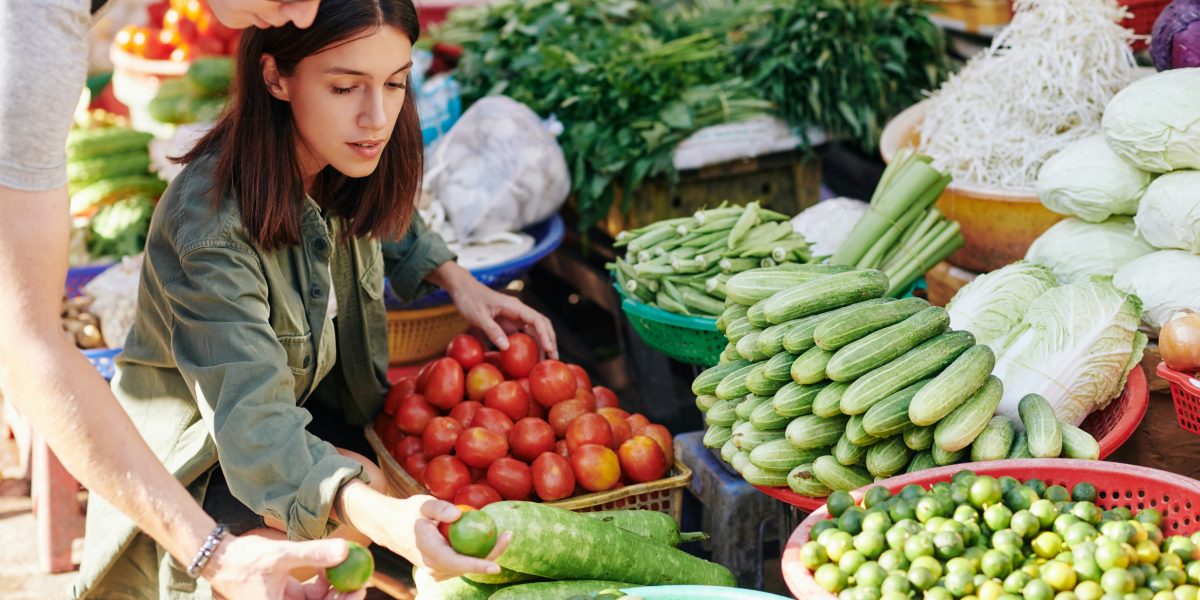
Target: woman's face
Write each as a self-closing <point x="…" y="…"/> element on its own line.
<point x="345" y="101"/>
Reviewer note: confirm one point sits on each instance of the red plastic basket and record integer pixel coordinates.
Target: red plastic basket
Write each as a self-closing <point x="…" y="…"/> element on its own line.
<point x="1185" y="391"/>
<point x="1111" y="427"/>
<point x="1135" y="488"/>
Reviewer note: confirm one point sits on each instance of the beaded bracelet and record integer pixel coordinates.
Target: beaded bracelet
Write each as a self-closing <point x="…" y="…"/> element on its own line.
<point x="206" y="551"/>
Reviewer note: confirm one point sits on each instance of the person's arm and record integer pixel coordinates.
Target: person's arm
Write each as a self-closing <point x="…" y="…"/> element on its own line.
<point x="67" y="402"/>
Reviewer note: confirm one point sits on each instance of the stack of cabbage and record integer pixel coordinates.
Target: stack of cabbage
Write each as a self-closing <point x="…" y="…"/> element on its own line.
<point x="826" y="384"/>
<point x="1146" y="166"/>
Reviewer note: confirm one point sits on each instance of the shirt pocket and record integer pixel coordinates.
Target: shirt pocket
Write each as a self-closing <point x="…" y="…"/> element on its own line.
<point x="370" y="268"/>
<point x="301" y="360"/>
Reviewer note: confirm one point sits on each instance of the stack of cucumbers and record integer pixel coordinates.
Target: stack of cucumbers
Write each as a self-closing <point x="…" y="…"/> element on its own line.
<point x="828" y="385"/>
<point x="682" y="265"/>
<point x="558" y="554"/>
<point x="106" y="164"/>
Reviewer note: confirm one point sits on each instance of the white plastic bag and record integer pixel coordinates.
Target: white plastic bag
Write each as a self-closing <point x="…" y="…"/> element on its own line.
<point x="114" y="294"/>
<point x="498" y="170"/>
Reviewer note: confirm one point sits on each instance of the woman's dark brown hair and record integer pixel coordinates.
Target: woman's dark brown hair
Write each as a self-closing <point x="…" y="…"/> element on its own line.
<point x="254" y="141"/>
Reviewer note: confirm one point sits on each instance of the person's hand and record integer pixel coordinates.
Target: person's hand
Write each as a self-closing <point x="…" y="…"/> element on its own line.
<point x="257" y="567"/>
<point x="495" y="313"/>
<point x="412" y="532"/>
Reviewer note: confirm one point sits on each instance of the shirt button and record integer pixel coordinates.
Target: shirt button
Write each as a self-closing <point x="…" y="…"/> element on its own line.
<point x="321" y="246"/>
<point x="315" y="291"/>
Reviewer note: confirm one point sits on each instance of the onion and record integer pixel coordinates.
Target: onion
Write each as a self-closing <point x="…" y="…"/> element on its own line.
<point x="1179" y="342"/>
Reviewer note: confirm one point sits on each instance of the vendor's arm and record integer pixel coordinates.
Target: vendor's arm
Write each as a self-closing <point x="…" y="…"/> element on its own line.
<point x="422" y="261"/>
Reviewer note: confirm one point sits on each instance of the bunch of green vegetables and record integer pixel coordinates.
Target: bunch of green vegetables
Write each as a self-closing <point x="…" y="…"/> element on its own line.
<point x="625" y="86"/>
<point x="902" y="234"/>
<point x="119" y="229"/>
<point x="681" y="265"/>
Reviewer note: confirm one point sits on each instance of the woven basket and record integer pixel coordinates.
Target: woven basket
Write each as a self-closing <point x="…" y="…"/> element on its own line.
<point x="415" y="335"/>
<point x="664" y="495"/>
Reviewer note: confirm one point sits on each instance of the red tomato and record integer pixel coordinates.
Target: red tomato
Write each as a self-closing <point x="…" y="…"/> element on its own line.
<point x="493" y="358"/>
<point x="444" y="387"/>
<point x="511" y="477"/>
<point x="415" y="465"/>
<point x="551" y="382"/>
<point x="440" y="435"/>
<point x="399" y="390"/>
<point x="208" y="46"/>
<point x="414" y="413"/>
<point x="477" y="474"/>
<point x="477" y="495"/>
<point x="586" y="396"/>
<point x="194" y="10"/>
<point x="406" y="447"/>
<point x="465" y="411"/>
<point x="138" y="41"/>
<point x="582" y="380"/>
<point x="423" y="374"/>
<point x="156" y="48"/>
<point x="636" y="422"/>
<point x="660" y="434"/>
<point x="492" y="420"/>
<point x="445" y="475"/>
<point x="478" y="447"/>
<point x="521" y="356"/>
<point x="509" y="398"/>
<point x="183" y="53"/>
<point x="444" y="527"/>
<point x="529" y="438"/>
<point x="596" y="467"/>
<point x="524" y="381"/>
<point x="642" y="459"/>
<point x="481" y="379"/>
<point x="157" y="11"/>
<point x="466" y="350"/>
<point x="381" y="424"/>
<point x="560" y="448"/>
<point x="620" y="427"/>
<point x="563" y="413"/>
<point x="590" y="428"/>
<point x="391" y="435"/>
<point x="537" y="411"/>
<point x="605" y="397"/>
<point x="553" y="478"/>
<point x="124" y="39"/>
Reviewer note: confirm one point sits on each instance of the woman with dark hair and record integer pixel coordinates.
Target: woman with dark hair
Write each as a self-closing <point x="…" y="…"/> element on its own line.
<point x="261" y="331"/>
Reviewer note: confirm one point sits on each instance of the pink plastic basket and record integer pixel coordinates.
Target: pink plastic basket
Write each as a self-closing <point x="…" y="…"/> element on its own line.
<point x="1133" y="487"/>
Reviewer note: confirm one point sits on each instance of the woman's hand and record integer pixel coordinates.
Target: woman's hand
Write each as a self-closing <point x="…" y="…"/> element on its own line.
<point x="495" y="313"/>
<point x="257" y="567"/>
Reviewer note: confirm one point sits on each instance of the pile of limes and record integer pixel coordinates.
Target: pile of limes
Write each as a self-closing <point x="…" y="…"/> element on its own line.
<point x="982" y="538"/>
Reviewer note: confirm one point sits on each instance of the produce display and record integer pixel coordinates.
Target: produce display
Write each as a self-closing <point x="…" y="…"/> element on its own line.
<point x="1175" y="41"/>
<point x="198" y="96"/>
<point x="1075" y="250"/>
<point x="993" y="304"/>
<point x="682" y="265"/>
<point x="1162" y="281"/>
<point x="999" y="539"/>
<point x="179" y="30"/>
<point x="81" y="327"/>
<point x="985" y="131"/>
<point x="1179" y="343"/>
<point x="1088" y="180"/>
<point x="827" y="224"/>
<point x="1169" y="215"/>
<point x="476" y="427"/>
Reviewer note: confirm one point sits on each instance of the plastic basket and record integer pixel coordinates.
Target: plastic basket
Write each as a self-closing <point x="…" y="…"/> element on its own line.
<point x="1111" y="427"/>
<point x="697" y="592"/>
<point x="419" y="334"/>
<point x="1143" y="15"/>
<point x="547" y="236"/>
<point x="102" y="358"/>
<point x="692" y="340"/>
<point x="1185" y="391"/>
<point x="664" y="495"/>
<point x="1133" y="487"/>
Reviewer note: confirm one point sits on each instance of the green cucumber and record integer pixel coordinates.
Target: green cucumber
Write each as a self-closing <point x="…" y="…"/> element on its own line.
<point x="877" y="349"/>
<point x="758" y="382"/>
<point x="755" y="475"/>
<point x="1020" y="446"/>
<point x="943" y="458"/>
<point x="779" y="368"/>
<point x="756" y="285"/>
<point x="107" y="141"/>
<point x="1078" y="443"/>
<point x="706" y="382"/>
<point x="799" y="336"/>
<point x="731" y="314"/>
<point x="919" y="363"/>
<point x="728" y="451"/>
<point x="811" y="431"/>
<point x="889" y="416"/>
<point x="748" y="347"/>
<point x="857" y="434"/>
<point x="557" y="590"/>
<point x="706" y="401"/>
<point x="756" y="316"/>
<point x="888" y="457"/>
<point x="803" y="481"/>
<point x="921" y="461"/>
<point x="746" y="407"/>
<point x="770" y="340"/>
<point x="824" y="294"/>
<point x="716" y="436"/>
<point x="1042" y="430"/>
<point x="733" y="385"/>
<point x="781" y="455"/>
<point x="738" y="328"/>
<point x="457" y="588"/>
<point x="794" y="400"/>
<point x="653" y="525"/>
<point x="962" y="426"/>
<point x="828" y="402"/>
<point x="994" y="441"/>
<point x="847" y="453"/>
<point x="918" y="438"/>
<point x="836" y="476"/>
<point x="764" y="418"/>
<point x="809" y="368"/>
<point x="721" y="414"/>
<point x="548" y="546"/>
<point x="853" y="325"/>
<point x="748" y="437"/>
<point x="730" y="355"/>
<point x="740" y="460"/>
<point x="952" y="386"/>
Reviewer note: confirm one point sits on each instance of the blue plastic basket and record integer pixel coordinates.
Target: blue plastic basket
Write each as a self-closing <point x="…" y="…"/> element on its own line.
<point x="103" y="358"/>
<point x="547" y="236"/>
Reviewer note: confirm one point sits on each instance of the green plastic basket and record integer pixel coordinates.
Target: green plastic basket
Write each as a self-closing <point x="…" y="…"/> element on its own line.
<point x="692" y="340"/>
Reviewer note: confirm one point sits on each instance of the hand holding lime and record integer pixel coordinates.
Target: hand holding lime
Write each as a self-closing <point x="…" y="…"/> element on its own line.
<point x="352" y="574"/>
<point x="473" y="534"/>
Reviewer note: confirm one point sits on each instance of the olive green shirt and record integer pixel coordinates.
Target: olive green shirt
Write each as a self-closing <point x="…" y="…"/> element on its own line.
<point x="229" y="343"/>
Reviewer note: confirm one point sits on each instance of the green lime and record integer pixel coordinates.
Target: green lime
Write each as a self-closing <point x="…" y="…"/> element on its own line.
<point x="870" y="574"/>
<point x="964" y="476"/>
<point x="934" y="524"/>
<point x="928" y="563"/>
<point x="938" y="593"/>
<point x="830" y="578"/>
<point x="1159" y="583"/>
<point x="960" y="493"/>
<point x="1037" y="485"/>
<point x="896" y="536"/>
<point x="473" y="534"/>
<point x="839" y="543"/>
<point x="1089" y="590"/>
<point x="1020" y="498"/>
<point x="948" y="545"/>
<point x="1015" y="582"/>
<point x="989" y="590"/>
<point x="1057" y="493"/>
<point x="903" y="508"/>
<point x="965" y="514"/>
<point x="921" y="578"/>
<point x="851" y="520"/>
<point x="1170" y="561"/>
<point x="1059" y="575"/>
<point x="893" y="560"/>
<point x="1007" y="539"/>
<point x="352" y="574"/>
<point x="1026" y="524"/>
<point x="1147" y="552"/>
<point x="997" y="517"/>
<point x="919" y="545"/>
<point x="896" y="583"/>
<point x="912" y="492"/>
<point x="1047" y="544"/>
<point x="1193" y="572"/>
<point x="1175" y="576"/>
<point x="960" y="564"/>
<point x="1086" y="569"/>
<point x="870" y="543"/>
<point x="821" y="527"/>
<point x="1186" y="592"/>
<point x="1182" y="547"/>
<point x="928" y="508"/>
<point x="960" y="583"/>
<point x="1063" y="522"/>
<point x="1079" y="533"/>
<point x="851" y="561"/>
<point x="878" y="522"/>
<point x="812" y="555"/>
<point x="972" y="533"/>
<point x="985" y="491"/>
<point x="1045" y="511"/>
<point x="1083" y="492"/>
<point x="996" y="564"/>
<point x="1088" y="512"/>
<point x="838" y="502"/>
<point x="1150" y="515"/>
<point x="1117" y="581"/>
<point x="1110" y="555"/>
<point x="1037" y="589"/>
<point x="876" y="495"/>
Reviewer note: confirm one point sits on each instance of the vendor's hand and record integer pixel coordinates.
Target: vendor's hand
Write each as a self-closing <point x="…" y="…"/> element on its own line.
<point x="257" y="567"/>
<point x="495" y="313"/>
<point x="412" y="532"/>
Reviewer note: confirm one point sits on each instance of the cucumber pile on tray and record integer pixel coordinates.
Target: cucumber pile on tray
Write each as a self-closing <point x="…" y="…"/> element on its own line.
<point x="682" y="265"/>
<point x="556" y="553"/>
<point x="997" y="539"/>
<point x="828" y="385"/>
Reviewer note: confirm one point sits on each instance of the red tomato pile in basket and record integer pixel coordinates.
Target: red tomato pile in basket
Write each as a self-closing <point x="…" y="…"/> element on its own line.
<point x="476" y="427"/>
<point x="179" y="30"/>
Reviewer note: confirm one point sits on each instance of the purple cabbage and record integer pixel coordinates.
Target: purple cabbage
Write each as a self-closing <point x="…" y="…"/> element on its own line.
<point x="1175" y="41"/>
